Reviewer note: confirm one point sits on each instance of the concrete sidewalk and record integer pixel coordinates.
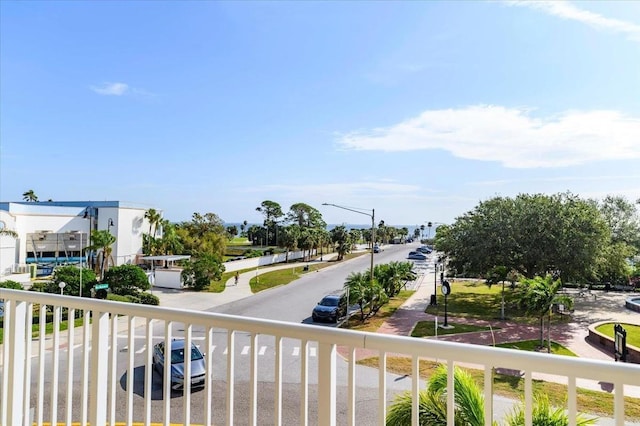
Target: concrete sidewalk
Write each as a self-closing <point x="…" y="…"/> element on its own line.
<point x="200" y="301"/>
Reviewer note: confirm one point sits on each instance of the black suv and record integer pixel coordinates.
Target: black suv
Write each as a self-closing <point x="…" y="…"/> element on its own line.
<point x="330" y="308"/>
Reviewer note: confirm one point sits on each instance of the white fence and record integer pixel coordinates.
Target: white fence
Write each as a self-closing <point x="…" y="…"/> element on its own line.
<point x="101" y="372"/>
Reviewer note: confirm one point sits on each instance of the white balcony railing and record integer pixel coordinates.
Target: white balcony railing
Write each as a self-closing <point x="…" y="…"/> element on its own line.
<point x="257" y="372"/>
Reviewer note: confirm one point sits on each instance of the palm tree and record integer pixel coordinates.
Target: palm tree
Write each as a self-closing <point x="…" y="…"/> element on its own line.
<point x="101" y="242"/>
<point x="30" y="196"/>
<point x="536" y="298"/>
<point x="468" y="397"/>
<point x="544" y="414"/>
<point x="356" y="284"/>
<point x="8" y="232"/>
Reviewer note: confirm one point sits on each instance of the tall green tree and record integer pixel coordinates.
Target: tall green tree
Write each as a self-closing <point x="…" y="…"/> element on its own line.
<point x="289" y="239"/>
<point x="204" y="234"/>
<point x="531" y="234"/>
<point x="341" y="241"/>
<point x="199" y="272"/>
<point x="272" y="213"/>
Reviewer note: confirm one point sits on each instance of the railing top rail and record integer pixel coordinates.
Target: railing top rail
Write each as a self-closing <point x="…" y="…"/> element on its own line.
<point x="607" y="371"/>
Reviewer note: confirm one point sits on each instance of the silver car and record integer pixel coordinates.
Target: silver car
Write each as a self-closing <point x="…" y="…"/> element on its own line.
<point x="177" y="363"/>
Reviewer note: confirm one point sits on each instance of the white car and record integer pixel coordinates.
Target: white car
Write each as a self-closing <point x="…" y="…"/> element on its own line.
<point x="416" y="255"/>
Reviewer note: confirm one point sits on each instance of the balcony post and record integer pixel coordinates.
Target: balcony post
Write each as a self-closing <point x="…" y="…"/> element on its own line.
<point x="326" y="384"/>
<point x="99" y="368"/>
<point x="15" y="370"/>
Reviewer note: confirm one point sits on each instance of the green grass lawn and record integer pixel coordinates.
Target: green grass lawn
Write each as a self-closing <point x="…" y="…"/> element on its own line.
<point x="35" y="328"/>
<point x="532" y="345"/>
<point x="633" y="332"/>
<point x="372" y="324"/>
<point x="427" y="329"/>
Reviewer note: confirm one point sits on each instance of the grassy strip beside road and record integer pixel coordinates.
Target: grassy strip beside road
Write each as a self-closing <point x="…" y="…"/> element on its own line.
<point x="533" y="345"/>
<point x="373" y="323"/>
<point x="35" y="328"/>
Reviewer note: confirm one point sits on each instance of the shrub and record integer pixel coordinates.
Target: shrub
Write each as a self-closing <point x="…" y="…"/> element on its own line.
<point x="126" y="279"/>
<point x="13" y="285"/>
<point x="148" y="299"/>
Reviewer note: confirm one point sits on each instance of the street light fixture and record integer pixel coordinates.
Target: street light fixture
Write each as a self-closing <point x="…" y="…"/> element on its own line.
<point x="372" y="215"/>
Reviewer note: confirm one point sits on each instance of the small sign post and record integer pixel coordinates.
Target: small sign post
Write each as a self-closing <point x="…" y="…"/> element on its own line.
<point x="620" y="343"/>
<point x="101" y="286"/>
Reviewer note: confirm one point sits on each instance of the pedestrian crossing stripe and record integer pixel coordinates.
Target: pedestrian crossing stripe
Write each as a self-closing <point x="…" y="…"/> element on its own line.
<point x="245" y="350"/>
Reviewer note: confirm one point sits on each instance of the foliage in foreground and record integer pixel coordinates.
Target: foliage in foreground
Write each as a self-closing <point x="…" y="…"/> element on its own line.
<point x="469" y="405"/>
<point x="545" y="415"/>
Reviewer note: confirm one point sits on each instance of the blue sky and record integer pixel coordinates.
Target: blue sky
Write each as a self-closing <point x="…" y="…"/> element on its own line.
<point x="418" y="110"/>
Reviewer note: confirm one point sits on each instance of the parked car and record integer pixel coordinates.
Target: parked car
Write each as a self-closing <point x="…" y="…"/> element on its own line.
<point x="416" y="255"/>
<point x="177" y="363"/>
<point x="330" y="308"/>
<point x="376" y="249"/>
<point x="424" y="249"/>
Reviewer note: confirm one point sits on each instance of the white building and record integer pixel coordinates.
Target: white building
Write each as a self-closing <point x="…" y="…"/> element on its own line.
<point x="53" y="232"/>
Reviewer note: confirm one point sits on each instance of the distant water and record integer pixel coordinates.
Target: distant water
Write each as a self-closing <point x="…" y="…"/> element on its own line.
<point x="347" y="225"/>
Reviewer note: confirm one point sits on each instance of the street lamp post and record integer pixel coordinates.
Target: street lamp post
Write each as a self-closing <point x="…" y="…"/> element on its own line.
<point x="373" y="227"/>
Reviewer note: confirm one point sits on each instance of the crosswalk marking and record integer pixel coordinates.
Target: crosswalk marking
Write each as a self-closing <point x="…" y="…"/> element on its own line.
<point x="245" y="350"/>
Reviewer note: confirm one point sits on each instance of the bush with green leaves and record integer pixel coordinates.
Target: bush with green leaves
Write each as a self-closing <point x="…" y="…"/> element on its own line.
<point x="126" y="279"/>
<point x="70" y="275"/>
<point x="10" y="284"/>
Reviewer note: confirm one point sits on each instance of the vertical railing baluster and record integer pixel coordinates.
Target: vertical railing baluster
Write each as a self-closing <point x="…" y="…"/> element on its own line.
<point x="326" y="384"/>
<point x="186" y="389"/>
<point x="528" y="398"/>
<point x="86" y="341"/>
<point x="148" y="372"/>
<point x="99" y="368"/>
<point x="618" y="403"/>
<point x="572" y="400"/>
<point x="71" y="316"/>
<point x="56" y="359"/>
<point x="415" y="390"/>
<point x="14" y="374"/>
<point x="382" y="389"/>
<point x="6" y="326"/>
<point x="113" y="369"/>
<point x="304" y="383"/>
<point x="351" y="387"/>
<point x="130" y="368"/>
<point x="488" y="394"/>
<point x="208" y="380"/>
<point x="278" y="381"/>
<point x="231" y="383"/>
<point x="253" y="382"/>
<point x="26" y="399"/>
<point x="450" y="393"/>
<point x="166" y="373"/>
<point x="41" y="362"/>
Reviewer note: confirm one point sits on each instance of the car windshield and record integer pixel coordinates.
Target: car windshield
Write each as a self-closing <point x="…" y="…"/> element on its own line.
<point x="329" y="301"/>
<point x="177" y="355"/>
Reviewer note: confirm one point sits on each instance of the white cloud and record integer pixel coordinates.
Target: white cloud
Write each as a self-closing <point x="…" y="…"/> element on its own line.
<point x="509" y="136"/>
<point x="566" y="10"/>
<point x="111" y="89"/>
